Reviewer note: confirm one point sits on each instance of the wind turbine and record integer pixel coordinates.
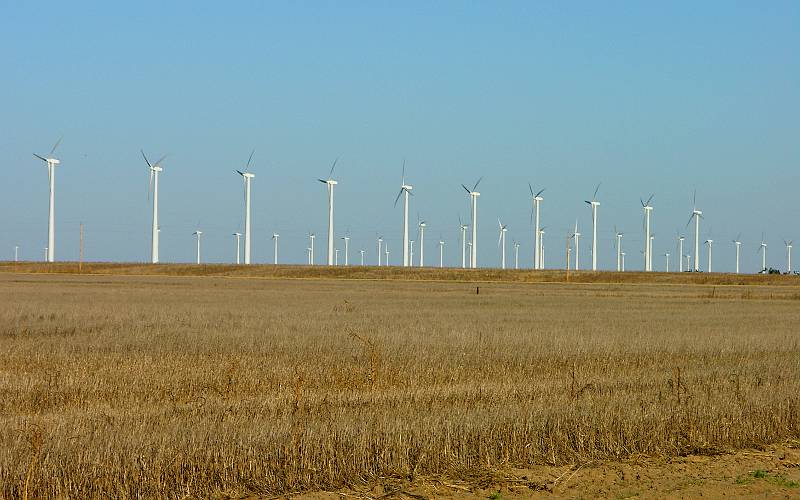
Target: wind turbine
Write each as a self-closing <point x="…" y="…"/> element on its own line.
<point x="667" y="256"/>
<point x="516" y="255"/>
<point x="275" y="237"/>
<point x="577" y="237"/>
<point x="330" y="182"/>
<point x="650" y="253"/>
<point x="537" y="200"/>
<point x="362" y="257"/>
<point x="237" y="236"/>
<point x="541" y="248"/>
<point x="411" y="254"/>
<point x="681" y="238"/>
<point x="308" y="255"/>
<point x="155" y="169"/>
<point x="763" y="249"/>
<point x="51" y="163"/>
<point x="710" y="244"/>
<point x="346" y="250"/>
<point x="469" y="244"/>
<point x="738" y="245"/>
<point x="380" y="242"/>
<point x="788" y="256"/>
<point x="623" y="261"/>
<point x="421" y="225"/>
<point x="696" y="214"/>
<point x="311" y="237"/>
<point x="619" y="235"/>
<point x="336" y="257"/>
<point x="441" y="252"/>
<point x="16" y="253"/>
<point x="198" y="233"/>
<point x="648" y="210"/>
<point x="594" y="204"/>
<point x="405" y="191"/>
<point x="387" y="254"/>
<point x="473" y="198"/>
<point x="247" y="177"/>
<point x="501" y="242"/>
<point x="463" y="227"/>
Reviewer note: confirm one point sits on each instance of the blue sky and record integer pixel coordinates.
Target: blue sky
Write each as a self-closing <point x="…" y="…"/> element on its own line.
<point x="643" y="97"/>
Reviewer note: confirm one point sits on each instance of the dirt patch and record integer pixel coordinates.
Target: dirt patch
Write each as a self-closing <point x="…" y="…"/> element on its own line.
<point x="773" y="471"/>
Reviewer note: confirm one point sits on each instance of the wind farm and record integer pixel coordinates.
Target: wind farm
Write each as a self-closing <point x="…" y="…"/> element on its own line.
<point x="212" y="284"/>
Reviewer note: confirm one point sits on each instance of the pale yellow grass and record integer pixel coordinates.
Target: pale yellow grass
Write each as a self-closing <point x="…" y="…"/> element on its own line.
<point x="132" y="387"/>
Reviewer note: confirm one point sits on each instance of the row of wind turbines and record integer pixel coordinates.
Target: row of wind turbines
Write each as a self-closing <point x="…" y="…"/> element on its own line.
<point x="468" y="247"/>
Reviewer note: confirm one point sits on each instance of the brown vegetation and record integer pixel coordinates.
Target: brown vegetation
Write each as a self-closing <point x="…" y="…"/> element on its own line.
<point x="130" y="386"/>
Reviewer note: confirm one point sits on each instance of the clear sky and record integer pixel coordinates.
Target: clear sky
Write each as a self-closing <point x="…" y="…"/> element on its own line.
<point x="645" y="97"/>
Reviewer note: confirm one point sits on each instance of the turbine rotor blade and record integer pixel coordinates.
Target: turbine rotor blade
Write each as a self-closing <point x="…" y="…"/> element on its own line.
<point x="158" y="163"/>
<point x="41" y="158"/>
<point x="476" y="184"/>
<point x="540" y="192"/>
<point x="56" y="145"/>
<point x="594" y="196"/>
<point x="531" y="188"/>
<point x="143" y="156"/>
<point x="398" y="197"/>
<point x="247" y="168"/>
<point x="330" y="175"/>
<point x="466" y="189"/>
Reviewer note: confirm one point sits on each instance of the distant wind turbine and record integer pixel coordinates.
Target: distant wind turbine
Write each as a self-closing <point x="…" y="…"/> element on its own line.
<point x="311" y="237"/>
<point x="421" y="225"/>
<point x="51" y="163"/>
<point x="247" y="177"/>
<point x="275" y="237"/>
<point x="405" y="191"/>
<point x="577" y="237"/>
<point x="738" y="244"/>
<point x="331" y="183"/>
<point x="681" y="239"/>
<point x="619" y="235"/>
<point x="501" y="242"/>
<point x="463" y="227"/>
<point x="697" y="215"/>
<point x="594" y="204"/>
<point x="473" y="198"/>
<point x="155" y="169"/>
<point x="516" y="255"/>
<point x="710" y="243"/>
<point x="788" y="256"/>
<point x="362" y="257"/>
<point x="763" y="248"/>
<point x="648" y="209"/>
<point x="346" y="240"/>
<point x="380" y="242"/>
<point x="197" y="234"/>
<point x="237" y="237"/>
<point x="441" y="253"/>
<point x="537" y="199"/>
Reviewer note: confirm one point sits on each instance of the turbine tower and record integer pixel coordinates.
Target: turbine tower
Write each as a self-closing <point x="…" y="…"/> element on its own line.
<point x="463" y="227"/>
<point x="346" y="250"/>
<point x="501" y="242"/>
<point x="696" y="214"/>
<point x="473" y="198"/>
<point x="405" y="191"/>
<point x="738" y="245"/>
<point x="421" y="225"/>
<point x="788" y="256"/>
<point x="275" y="237"/>
<point x="51" y="163"/>
<point x="330" y="182"/>
<point x="577" y="237"/>
<point x="681" y="239"/>
<point x="667" y="256"/>
<point x="441" y="253"/>
<point x="411" y="252"/>
<point x="311" y="237"/>
<point x="710" y="244"/>
<point x="247" y="177"/>
<point x="237" y="236"/>
<point x="619" y="236"/>
<point x="155" y="169"/>
<point x="623" y="261"/>
<point x="648" y="210"/>
<point x="537" y="200"/>
<point x="362" y="257"/>
<point x="198" y="233"/>
<point x="594" y="204"/>
<point x="380" y="242"/>
<point x="516" y="255"/>
<point x="763" y="249"/>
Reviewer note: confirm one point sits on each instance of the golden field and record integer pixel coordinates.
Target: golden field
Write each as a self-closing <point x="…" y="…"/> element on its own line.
<point x="202" y="381"/>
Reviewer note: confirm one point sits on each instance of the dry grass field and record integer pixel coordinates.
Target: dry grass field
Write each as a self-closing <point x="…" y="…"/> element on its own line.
<point x="125" y="386"/>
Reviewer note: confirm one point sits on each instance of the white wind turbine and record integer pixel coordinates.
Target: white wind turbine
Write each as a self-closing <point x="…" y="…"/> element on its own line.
<point x="380" y="242"/>
<point x="541" y="248"/>
<point x="197" y="234"/>
<point x="516" y="255"/>
<point x="501" y="242"/>
<point x="648" y="210"/>
<point x="623" y="261"/>
<point x="308" y="255"/>
<point x="411" y="254"/>
<point x="667" y="256"/>
<point x="311" y="237"/>
<point x="681" y="239"/>
<point x="537" y="199"/>
<point x="763" y="248"/>
<point x="594" y="204"/>
<point x="650" y="254"/>
<point x="463" y="228"/>
<point x="387" y="254"/>
<point x="275" y="237"/>
<point x="738" y="244"/>
<point x="697" y="215"/>
<point x="473" y="198"/>
<point x="441" y="252"/>
<point x="405" y="191"/>
<point x="788" y="256"/>
<point x="331" y="183"/>
<point x="421" y="225"/>
<point x="346" y="240"/>
<point x="619" y="235"/>
<point x="155" y="169"/>
<point x="51" y="163"/>
<point x="577" y="237"/>
<point x="247" y="177"/>
<point x="710" y="243"/>
<point x="362" y="257"/>
<point x="336" y="257"/>
<point x="237" y="237"/>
